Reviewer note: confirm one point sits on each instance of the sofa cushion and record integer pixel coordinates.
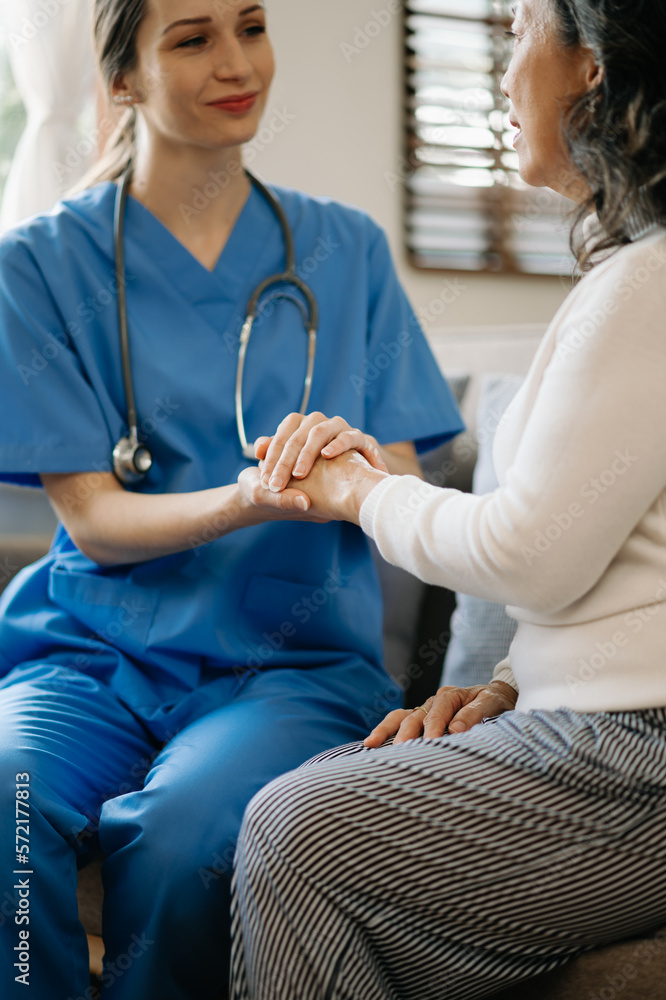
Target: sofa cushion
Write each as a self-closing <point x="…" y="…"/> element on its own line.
<point x="17" y="552"/>
<point x="481" y="632"/>
<point x="403" y="593"/>
<point x="25" y="511"/>
<point x="628" y="970"/>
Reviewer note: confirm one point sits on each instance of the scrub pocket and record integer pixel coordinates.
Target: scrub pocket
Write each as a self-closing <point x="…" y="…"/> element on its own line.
<point x="279" y="615"/>
<point x="116" y="611"/>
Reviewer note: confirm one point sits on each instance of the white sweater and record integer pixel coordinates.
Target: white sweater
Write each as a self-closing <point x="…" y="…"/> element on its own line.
<point x="574" y="538"/>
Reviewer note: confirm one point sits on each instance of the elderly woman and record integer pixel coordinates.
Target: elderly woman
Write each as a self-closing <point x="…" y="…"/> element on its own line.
<point x="171" y="654"/>
<point x="477" y="856"/>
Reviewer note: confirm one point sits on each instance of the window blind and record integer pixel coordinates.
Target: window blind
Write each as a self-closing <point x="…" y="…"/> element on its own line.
<point x="467" y="207"/>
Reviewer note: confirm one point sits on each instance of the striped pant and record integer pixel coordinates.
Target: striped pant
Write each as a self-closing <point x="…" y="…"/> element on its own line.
<point x="448" y="869"/>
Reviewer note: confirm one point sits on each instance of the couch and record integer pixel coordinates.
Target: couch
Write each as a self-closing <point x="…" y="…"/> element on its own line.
<point x="427" y="638"/>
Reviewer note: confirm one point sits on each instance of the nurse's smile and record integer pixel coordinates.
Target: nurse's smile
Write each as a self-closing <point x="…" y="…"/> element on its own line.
<point x="236" y="105"/>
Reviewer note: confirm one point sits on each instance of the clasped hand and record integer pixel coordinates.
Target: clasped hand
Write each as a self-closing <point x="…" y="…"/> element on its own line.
<point x="290" y="457"/>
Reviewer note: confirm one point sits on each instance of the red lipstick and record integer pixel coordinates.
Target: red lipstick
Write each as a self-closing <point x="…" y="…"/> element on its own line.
<point x="238" y="104"/>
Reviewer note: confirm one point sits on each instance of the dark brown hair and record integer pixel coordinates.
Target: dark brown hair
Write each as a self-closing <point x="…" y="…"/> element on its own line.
<point x="617" y="133"/>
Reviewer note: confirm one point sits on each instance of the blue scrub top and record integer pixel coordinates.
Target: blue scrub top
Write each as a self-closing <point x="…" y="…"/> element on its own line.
<point x="260" y="598"/>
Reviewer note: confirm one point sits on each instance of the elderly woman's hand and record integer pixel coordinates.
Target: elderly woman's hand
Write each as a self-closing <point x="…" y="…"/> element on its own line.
<point x="300" y="440"/>
<point x="337" y="487"/>
<point x="333" y="491"/>
<point x="452" y="710"/>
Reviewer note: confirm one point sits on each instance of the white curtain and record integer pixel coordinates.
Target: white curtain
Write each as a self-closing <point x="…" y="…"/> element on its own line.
<point x="51" y="54"/>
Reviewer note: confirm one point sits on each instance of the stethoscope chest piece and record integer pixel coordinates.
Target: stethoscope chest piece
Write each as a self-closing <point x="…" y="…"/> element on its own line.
<point x="132" y="461"/>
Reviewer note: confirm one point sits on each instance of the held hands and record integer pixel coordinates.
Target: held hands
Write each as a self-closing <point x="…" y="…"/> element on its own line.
<point x="335" y="492"/>
<point x="300" y="440"/>
<point x="346" y="455"/>
<point x="452" y="709"/>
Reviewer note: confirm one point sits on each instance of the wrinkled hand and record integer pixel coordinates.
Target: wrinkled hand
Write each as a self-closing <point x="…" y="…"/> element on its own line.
<point x="452" y="709"/>
<point x="333" y="491"/>
<point x="262" y="505"/>
<point x="300" y="440"/>
<point x="336" y="488"/>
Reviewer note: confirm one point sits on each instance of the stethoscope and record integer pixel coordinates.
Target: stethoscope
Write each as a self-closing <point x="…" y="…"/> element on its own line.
<point x="132" y="459"/>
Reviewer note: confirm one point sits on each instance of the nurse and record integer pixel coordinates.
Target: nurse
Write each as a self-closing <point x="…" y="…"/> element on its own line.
<point x="178" y="648"/>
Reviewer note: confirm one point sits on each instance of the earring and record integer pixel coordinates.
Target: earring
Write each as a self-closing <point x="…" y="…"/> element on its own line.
<point x="123" y="99"/>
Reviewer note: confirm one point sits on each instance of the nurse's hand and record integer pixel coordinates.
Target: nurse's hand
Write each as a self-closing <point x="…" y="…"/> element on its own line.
<point x="260" y="504"/>
<point x="333" y="491"/>
<point x="300" y="440"/>
<point x="451" y="710"/>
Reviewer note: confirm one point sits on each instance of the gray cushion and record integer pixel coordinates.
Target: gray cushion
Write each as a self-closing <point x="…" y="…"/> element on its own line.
<point x="481" y="632"/>
<point x="451" y="466"/>
<point x="403" y="593"/>
<point x="27" y="523"/>
<point x="25" y="511"/>
<point x="18" y="551"/>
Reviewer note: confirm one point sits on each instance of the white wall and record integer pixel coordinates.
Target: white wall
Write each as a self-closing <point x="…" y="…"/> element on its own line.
<point x="346" y="136"/>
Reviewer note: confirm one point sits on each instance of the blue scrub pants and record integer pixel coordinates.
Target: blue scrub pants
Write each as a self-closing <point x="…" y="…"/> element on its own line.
<point x="165" y="817"/>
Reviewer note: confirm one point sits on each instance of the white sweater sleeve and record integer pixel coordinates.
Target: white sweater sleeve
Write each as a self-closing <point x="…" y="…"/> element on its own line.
<point x="503" y="672"/>
<point x="592" y="453"/>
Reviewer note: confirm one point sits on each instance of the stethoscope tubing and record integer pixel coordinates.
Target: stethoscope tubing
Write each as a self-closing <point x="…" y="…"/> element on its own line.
<point x="121" y="282"/>
<point x="130" y="445"/>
